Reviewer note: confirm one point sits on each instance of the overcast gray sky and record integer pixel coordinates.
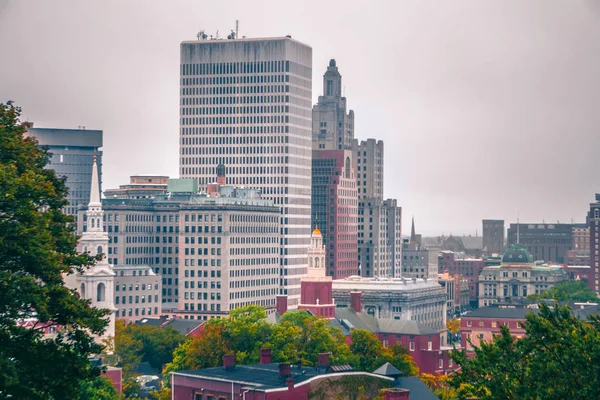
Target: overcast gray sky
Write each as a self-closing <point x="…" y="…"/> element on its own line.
<point x="487" y="108"/>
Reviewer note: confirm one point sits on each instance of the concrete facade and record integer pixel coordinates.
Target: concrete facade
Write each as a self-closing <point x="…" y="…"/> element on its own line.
<point x="140" y="187"/>
<point x="333" y="127"/>
<point x="138" y="292"/>
<point x="380" y="238"/>
<point x="547" y="242"/>
<point x="72" y="152"/>
<point x="224" y="249"/>
<point x="247" y="104"/>
<point x="517" y="277"/>
<point x="594" y="224"/>
<point x="418" y="300"/>
<point x="419" y="262"/>
<point x="369" y="161"/>
<point x="493" y="236"/>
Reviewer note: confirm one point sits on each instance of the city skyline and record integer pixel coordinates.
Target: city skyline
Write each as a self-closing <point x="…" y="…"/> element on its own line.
<point x="519" y="103"/>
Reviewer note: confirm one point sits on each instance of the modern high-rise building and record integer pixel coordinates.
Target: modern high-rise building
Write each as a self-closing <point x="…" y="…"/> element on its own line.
<point x="72" y="152"/>
<point x="369" y="168"/>
<point x="546" y="242"/>
<point x="594" y="224"/>
<point x="335" y="209"/>
<point x="334" y="194"/>
<point x="333" y="127"/>
<point x="493" y="236"/>
<point x="247" y="104"/>
<point x="379" y="238"/>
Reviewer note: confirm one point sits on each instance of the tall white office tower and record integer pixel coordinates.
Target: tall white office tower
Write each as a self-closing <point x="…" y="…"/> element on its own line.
<point x="97" y="282"/>
<point x="246" y="104"/>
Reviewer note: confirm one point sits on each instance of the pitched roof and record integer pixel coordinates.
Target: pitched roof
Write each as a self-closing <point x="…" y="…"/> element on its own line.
<point x="348" y="319"/>
<point x="472" y="243"/>
<point x="266" y="376"/>
<point x="388" y="369"/>
<point x="418" y="390"/>
<point x="184" y="326"/>
<point x="500" y="312"/>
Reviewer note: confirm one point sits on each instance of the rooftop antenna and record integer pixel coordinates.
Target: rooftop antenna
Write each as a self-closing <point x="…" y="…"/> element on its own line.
<point x="237" y="28"/>
<point x="217" y="37"/>
<point x="201" y="35"/>
<point x="518" y="232"/>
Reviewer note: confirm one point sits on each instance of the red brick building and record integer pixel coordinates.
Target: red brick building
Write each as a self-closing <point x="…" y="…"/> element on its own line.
<point x="467" y="268"/>
<point x="280" y="381"/>
<point x="335" y="209"/>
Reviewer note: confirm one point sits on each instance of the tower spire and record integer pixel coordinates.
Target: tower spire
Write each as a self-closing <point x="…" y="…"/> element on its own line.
<point x="95" y="189"/>
<point x="413" y="235"/>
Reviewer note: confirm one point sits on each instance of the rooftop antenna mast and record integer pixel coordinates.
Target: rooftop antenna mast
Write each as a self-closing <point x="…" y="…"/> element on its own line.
<point x="237" y="28"/>
<point x="518" y="231"/>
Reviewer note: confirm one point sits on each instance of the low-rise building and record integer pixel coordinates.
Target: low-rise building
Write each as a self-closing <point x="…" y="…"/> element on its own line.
<point x="140" y="187"/>
<point x="457" y="293"/>
<point x="517" y="277"/>
<point x="458" y="264"/>
<point x="420" y="300"/>
<point x="138" y="292"/>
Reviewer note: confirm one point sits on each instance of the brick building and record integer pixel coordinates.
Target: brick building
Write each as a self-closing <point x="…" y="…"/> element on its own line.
<point x="457" y="264"/>
<point x="594" y="224"/>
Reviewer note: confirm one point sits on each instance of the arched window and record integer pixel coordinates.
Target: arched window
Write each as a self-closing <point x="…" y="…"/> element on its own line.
<point x="98" y="223"/>
<point x="101" y="292"/>
<point x="92" y="221"/>
<point x="317" y="262"/>
<point x="347" y="172"/>
<point x="99" y="250"/>
<point x="83" y="290"/>
<point x="310" y="262"/>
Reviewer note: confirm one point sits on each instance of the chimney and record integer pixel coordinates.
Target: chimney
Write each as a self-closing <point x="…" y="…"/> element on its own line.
<point x="265" y="356"/>
<point x="229" y="362"/>
<point x="282" y="304"/>
<point x="396" y="394"/>
<point x="356" y="301"/>
<point x="290" y="383"/>
<point x="285" y="370"/>
<point x="323" y="359"/>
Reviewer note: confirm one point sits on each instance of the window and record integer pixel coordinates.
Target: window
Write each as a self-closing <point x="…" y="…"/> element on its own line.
<point x="412" y="346"/>
<point x="83" y="290"/>
<point x="469" y="323"/>
<point x="441" y="363"/>
<point x="101" y="292"/>
<point x="494" y="324"/>
<point x="429" y="345"/>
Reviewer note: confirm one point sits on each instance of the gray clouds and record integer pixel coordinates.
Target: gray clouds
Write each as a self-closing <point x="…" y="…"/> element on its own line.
<point x="486" y="108"/>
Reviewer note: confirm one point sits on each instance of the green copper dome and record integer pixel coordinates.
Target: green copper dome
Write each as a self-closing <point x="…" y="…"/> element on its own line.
<point x="517" y="254"/>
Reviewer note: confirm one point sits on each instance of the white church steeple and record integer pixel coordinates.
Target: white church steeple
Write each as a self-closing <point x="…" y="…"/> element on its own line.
<point x="97" y="282"/>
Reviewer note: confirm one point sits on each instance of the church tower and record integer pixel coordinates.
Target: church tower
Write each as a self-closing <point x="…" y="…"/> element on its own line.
<point x="316" y="292"/>
<point x="97" y="282"/>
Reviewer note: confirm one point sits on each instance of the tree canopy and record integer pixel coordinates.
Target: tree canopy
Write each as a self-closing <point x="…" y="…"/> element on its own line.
<point x="568" y="291"/>
<point x="299" y="336"/>
<point x="37" y="247"/>
<point x="558" y="358"/>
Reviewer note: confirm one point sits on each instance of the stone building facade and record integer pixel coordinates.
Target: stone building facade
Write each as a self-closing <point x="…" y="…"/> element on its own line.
<point x="138" y="292"/>
<point x="418" y="300"/>
<point x="493" y="236"/>
<point x="547" y="242"/>
<point x="213" y="253"/>
<point x="247" y="103"/>
<point x="517" y="277"/>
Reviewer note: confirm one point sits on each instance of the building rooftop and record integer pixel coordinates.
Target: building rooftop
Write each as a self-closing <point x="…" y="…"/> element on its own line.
<point x="242" y="39"/>
<point x="347" y="319"/>
<point x="378" y="284"/>
<point x="266" y="376"/>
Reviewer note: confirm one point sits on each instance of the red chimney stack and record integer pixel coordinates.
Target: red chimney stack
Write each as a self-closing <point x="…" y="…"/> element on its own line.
<point x="323" y="359"/>
<point x="282" y="304"/>
<point x="285" y="370"/>
<point x="356" y="301"/>
<point x="229" y="362"/>
<point x="265" y="356"/>
<point x="396" y="394"/>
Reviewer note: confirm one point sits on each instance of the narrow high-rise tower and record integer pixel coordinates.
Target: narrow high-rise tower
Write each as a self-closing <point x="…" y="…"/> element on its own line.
<point x="334" y="196"/>
<point x="97" y="282"/>
<point x="246" y="104"/>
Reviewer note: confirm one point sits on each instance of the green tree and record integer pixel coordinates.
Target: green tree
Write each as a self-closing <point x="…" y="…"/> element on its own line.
<point x="568" y="291"/>
<point x="37" y="247"/>
<point x="558" y="358"/>
<point x="99" y="388"/>
<point x="302" y="336"/>
<point x="400" y="357"/>
<point x="368" y="349"/>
